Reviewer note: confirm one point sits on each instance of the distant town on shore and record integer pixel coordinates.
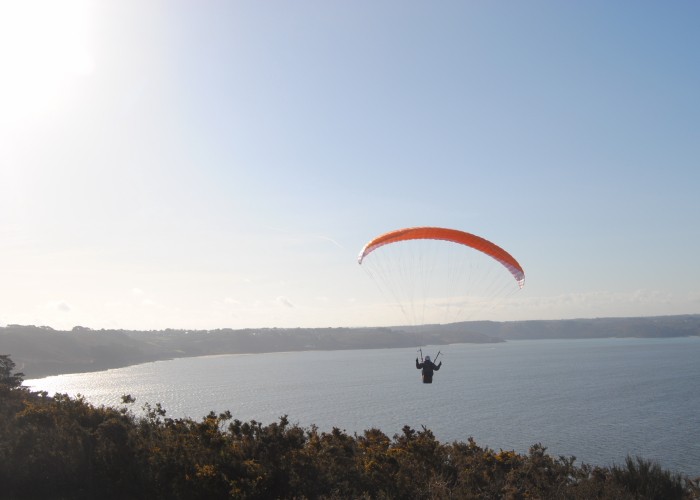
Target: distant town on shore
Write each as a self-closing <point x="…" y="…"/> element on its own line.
<point x="41" y="351"/>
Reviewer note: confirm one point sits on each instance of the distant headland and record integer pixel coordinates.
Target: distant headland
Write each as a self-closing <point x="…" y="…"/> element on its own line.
<point x="41" y="351"/>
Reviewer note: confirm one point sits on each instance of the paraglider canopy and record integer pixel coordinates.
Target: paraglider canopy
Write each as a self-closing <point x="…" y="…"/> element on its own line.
<point x="440" y="275"/>
<point x="453" y="235"/>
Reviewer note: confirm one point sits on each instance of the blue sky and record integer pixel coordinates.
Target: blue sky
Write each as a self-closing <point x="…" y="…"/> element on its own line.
<point x="221" y="164"/>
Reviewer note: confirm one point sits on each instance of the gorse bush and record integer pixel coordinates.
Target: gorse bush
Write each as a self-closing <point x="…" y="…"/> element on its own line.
<point x="62" y="447"/>
<point x="646" y="479"/>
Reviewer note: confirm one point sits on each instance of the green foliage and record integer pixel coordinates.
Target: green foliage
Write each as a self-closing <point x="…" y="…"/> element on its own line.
<point x="7" y="378"/>
<point x="646" y="479"/>
<point x="62" y="447"/>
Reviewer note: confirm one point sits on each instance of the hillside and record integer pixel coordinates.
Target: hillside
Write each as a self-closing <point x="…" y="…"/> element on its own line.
<point x="41" y="351"/>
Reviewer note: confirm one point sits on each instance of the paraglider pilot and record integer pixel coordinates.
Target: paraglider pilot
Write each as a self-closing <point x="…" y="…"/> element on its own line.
<point x="428" y="367"/>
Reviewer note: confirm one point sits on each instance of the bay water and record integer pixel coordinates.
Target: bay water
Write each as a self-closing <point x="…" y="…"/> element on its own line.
<point x="596" y="399"/>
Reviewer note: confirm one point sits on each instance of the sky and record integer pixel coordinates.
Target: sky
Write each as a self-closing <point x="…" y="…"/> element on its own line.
<point x="220" y="164"/>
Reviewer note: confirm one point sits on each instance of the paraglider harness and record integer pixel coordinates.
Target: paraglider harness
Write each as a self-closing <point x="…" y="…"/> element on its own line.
<point x="428" y="367"/>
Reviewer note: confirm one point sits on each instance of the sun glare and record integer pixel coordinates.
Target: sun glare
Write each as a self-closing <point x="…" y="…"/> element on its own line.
<point x="44" y="45"/>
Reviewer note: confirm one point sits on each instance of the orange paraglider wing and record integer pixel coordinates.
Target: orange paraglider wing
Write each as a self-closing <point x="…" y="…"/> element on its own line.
<point x="453" y="235"/>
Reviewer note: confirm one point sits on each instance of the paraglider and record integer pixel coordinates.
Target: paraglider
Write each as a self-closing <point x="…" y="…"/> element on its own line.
<point x="437" y="275"/>
<point x="427" y="367"/>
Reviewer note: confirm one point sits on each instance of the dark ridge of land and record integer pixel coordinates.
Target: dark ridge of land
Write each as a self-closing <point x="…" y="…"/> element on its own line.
<point x="41" y="351"/>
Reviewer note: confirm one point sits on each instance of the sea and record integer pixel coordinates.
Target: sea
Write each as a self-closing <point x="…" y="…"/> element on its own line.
<point x="598" y="400"/>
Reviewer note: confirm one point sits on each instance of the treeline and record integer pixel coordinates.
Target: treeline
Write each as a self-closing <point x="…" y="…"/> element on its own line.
<point x="41" y="351"/>
<point x="62" y="447"/>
